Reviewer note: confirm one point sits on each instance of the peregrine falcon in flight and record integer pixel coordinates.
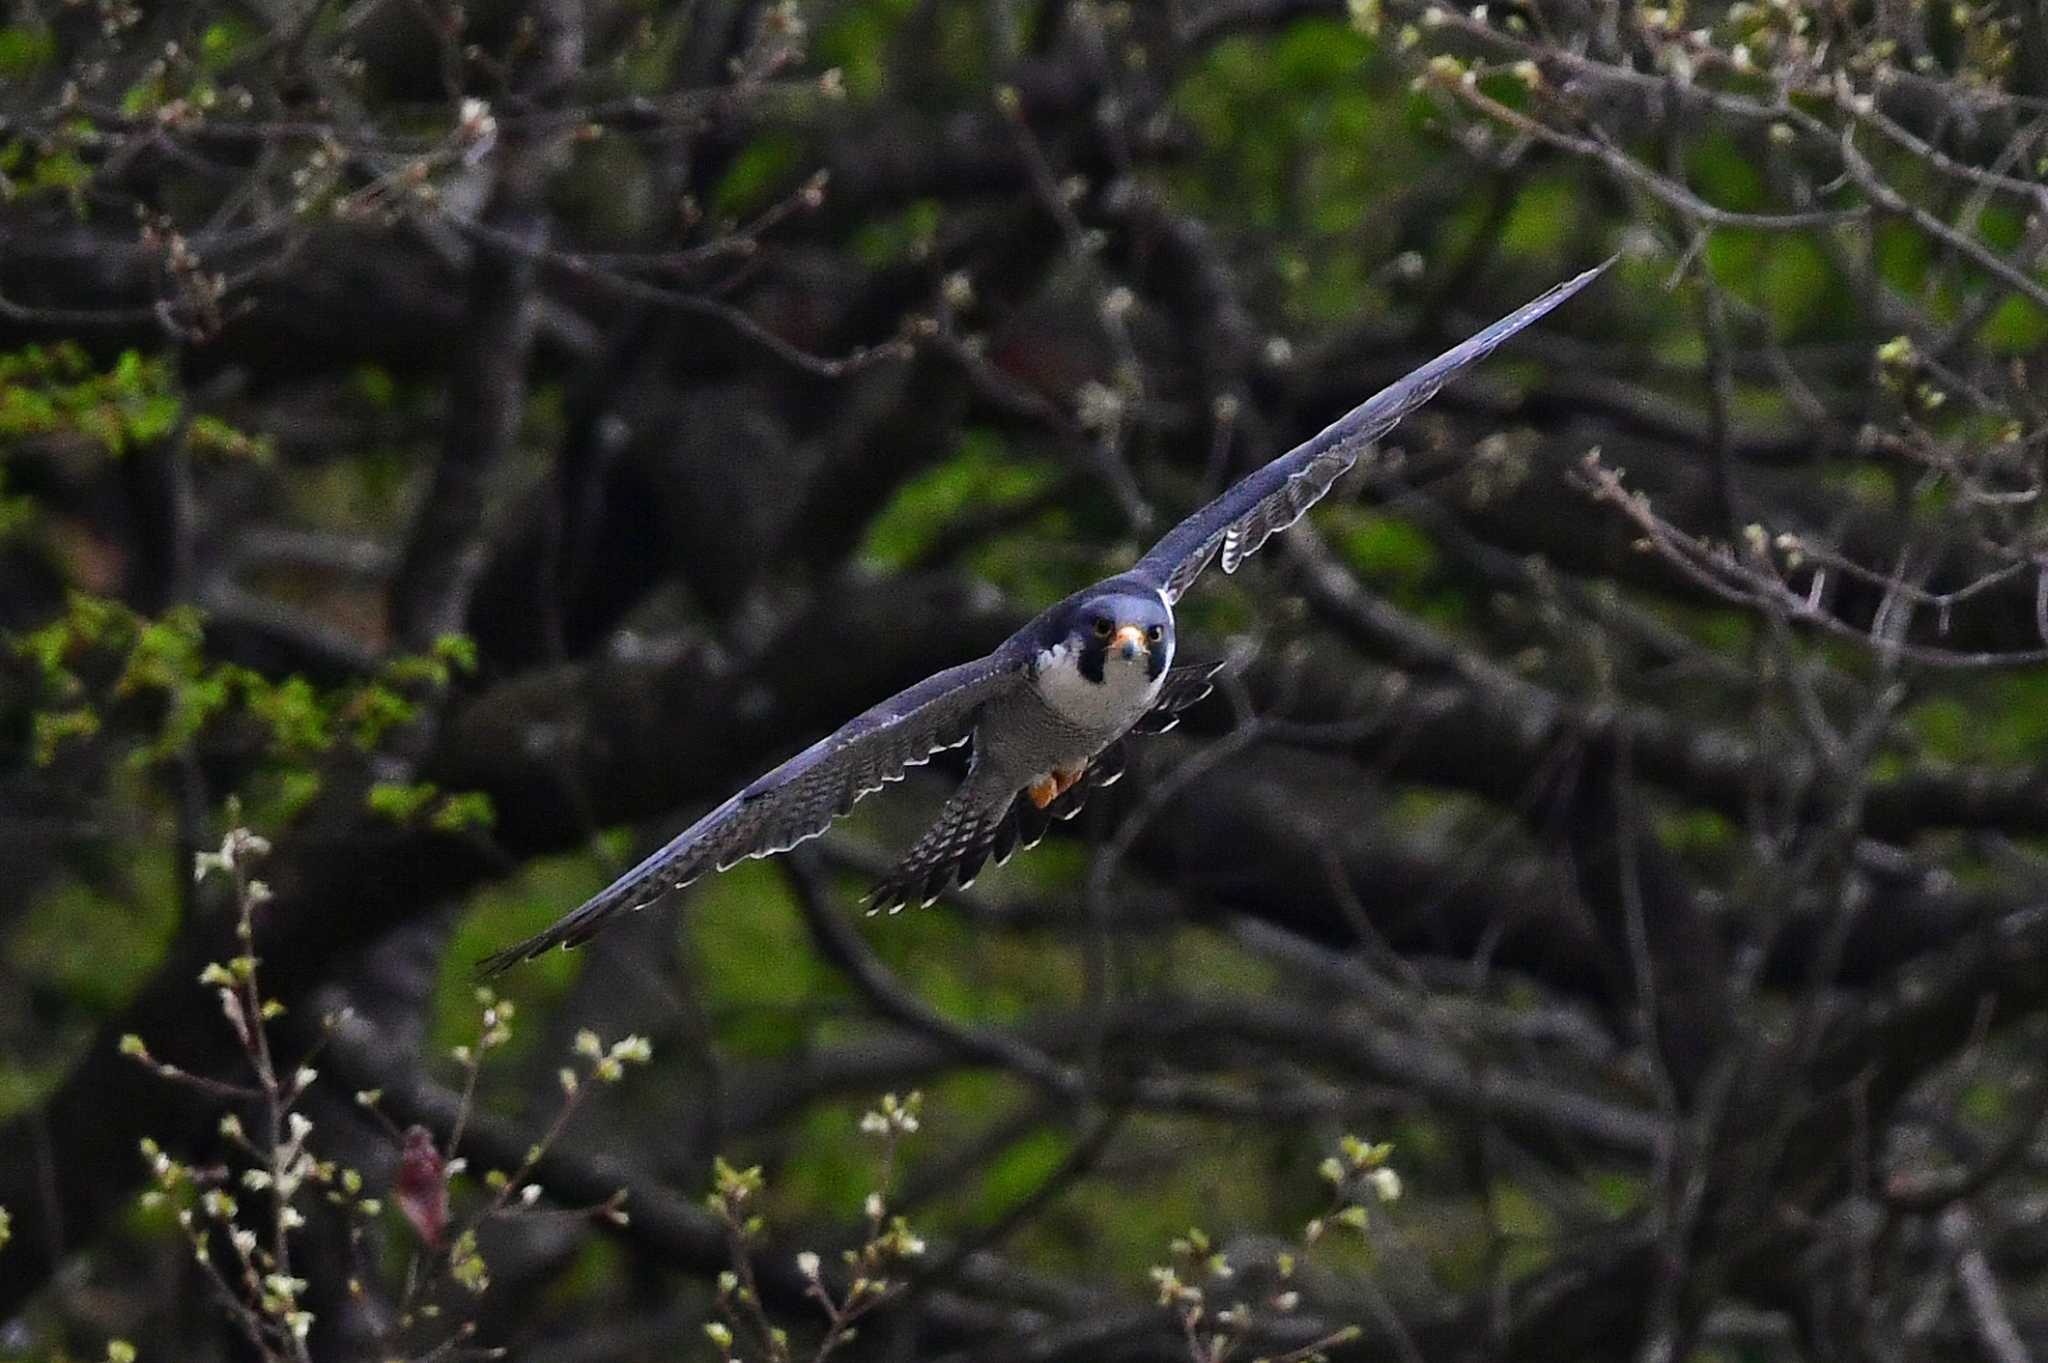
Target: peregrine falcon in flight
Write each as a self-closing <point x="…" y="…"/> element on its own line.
<point x="1047" y="711"/>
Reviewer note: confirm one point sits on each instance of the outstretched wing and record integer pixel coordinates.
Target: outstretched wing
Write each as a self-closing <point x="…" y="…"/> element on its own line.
<point x="1183" y="687"/>
<point x="1276" y="496"/>
<point x="797" y="800"/>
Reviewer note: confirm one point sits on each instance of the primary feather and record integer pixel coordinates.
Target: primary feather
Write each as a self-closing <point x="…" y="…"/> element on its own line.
<point x="1034" y="689"/>
<point x="1279" y="494"/>
<point x="797" y="800"/>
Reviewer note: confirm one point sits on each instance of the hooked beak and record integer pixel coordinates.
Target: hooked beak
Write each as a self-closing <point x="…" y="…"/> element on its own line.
<point x="1130" y="641"/>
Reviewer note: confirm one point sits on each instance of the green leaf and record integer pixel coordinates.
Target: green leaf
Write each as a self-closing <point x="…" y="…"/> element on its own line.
<point x="142" y="97"/>
<point x="765" y="167"/>
<point x="296" y="791"/>
<point x="24" y="412"/>
<point x="471" y="809"/>
<point x="857" y="42"/>
<point x="2017" y="326"/>
<point x="458" y="651"/>
<point x="222" y="42"/>
<point x="1797" y="285"/>
<point x="983" y="473"/>
<point x="299" y="722"/>
<point x="52" y="727"/>
<point x="1903" y="255"/>
<point x="1618" y="1193"/>
<point x="377" y="710"/>
<point x="1020" y="1170"/>
<point x="1389" y="547"/>
<point x="400" y="802"/>
<point x="891" y="241"/>
<point x="1725" y="175"/>
<point x="211" y="435"/>
<point x="1696" y="832"/>
<point x="154" y="418"/>
<point x="25" y="48"/>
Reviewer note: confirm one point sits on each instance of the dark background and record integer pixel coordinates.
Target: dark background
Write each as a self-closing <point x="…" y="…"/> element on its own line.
<point x="460" y="444"/>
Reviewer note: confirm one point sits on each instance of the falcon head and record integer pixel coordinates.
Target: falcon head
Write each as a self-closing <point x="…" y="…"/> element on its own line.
<point x="1118" y="633"/>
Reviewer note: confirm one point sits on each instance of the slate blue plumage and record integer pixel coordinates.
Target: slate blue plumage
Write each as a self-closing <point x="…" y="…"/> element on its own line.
<point x="1048" y="709"/>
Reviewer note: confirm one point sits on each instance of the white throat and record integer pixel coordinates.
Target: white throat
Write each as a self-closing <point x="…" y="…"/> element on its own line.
<point x="1108" y="706"/>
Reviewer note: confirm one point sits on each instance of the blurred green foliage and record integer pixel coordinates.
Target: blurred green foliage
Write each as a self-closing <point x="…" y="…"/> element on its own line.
<point x="1305" y="143"/>
<point x="96" y="947"/>
<point x="856" y="41"/>
<point x="26" y="47"/>
<point x="1299" y="146"/>
<point x="59" y="390"/>
<point x="768" y="166"/>
<point x="906" y="235"/>
<point x="984" y="473"/>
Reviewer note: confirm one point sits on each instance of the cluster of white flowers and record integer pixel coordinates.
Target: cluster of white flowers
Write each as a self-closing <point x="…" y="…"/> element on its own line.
<point x="894" y="1117"/>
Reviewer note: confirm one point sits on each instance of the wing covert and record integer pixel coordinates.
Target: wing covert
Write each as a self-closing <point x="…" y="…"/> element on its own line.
<point x="797" y="800"/>
<point x="1274" y="497"/>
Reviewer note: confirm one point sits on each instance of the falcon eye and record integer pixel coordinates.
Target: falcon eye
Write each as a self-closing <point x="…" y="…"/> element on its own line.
<point x="1155" y="634"/>
<point x="1103" y="627"/>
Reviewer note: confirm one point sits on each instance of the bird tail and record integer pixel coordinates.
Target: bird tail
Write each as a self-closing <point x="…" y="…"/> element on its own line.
<point x="975" y="827"/>
<point x="951" y="852"/>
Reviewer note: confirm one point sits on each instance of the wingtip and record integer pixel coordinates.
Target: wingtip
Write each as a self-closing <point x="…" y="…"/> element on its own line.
<point x="566" y="933"/>
<point x="1559" y="292"/>
<point x="1485" y="341"/>
<point x="498" y="962"/>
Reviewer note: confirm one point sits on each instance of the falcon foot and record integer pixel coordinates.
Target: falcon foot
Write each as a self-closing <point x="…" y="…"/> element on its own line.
<point x="1046" y="789"/>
